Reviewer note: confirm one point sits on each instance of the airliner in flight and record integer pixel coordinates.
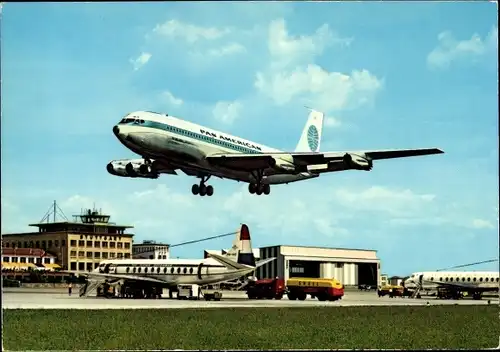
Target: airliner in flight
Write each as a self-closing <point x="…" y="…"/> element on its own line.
<point x="173" y="272"/>
<point x="472" y="282"/>
<point x="167" y="144"/>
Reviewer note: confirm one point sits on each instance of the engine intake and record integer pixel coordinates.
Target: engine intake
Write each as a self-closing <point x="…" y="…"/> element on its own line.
<point x="131" y="168"/>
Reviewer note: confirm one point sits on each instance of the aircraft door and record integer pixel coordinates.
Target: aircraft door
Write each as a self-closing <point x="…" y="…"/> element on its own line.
<point x="106" y="268"/>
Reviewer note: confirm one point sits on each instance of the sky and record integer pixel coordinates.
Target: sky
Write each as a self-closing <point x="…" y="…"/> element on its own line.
<point x="386" y="74"/>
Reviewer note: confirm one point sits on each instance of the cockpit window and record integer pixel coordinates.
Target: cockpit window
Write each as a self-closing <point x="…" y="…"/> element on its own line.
<point x="132" y="121"/>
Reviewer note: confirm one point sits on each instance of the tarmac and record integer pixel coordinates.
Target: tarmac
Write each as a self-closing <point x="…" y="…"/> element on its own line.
<point x="18" y="298"/>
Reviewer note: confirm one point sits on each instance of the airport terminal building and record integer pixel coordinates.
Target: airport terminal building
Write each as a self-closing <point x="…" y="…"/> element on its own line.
<point x="352" y="267"/>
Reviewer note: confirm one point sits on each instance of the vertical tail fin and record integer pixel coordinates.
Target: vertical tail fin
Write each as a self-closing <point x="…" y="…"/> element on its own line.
<point x="310" y="139"/>
<point x="245" y="251"/>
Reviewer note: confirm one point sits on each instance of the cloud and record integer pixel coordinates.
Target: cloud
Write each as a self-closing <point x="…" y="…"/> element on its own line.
<point x="227" y="112"/>
<point x="331" y="122"/>
<point x="141" y="60"/>
<point x="381" y="199"/>
<point x="450" y="49"/>
<point x="285" y="49"/>
<point x="230" y="49"/>
<point x="291" y="75"/>
<point x="171" y="99"/>
<point x="326" y="91"/>
<point x="173" y="29"/>
<point x="482" y="224"/>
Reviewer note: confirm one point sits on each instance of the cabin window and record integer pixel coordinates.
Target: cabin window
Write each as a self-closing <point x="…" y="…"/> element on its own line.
<point x="152" y="270"/>
<point x="497" y="279"/>
<point x="133" y="269"/>
<point x="457" y="279"/>
<point x="440" y="279"/>
<point x="165" y="270"/>
<point x="446" y="279"/>
<point x="463" y="279"/>
<point x="468" y="279"/>
<point x="184" y="271"/>
<point x="128" y="270"/>
<point x="486" y="279"/>
<point x="145" y="270"/>
<point x="432" y="279"/>
<point x="481" y="279"/>
<point x="139" y="270"/>
<point x="158" y="270"/>
<point x="171" y="270"/>
<point x="474" y="279"/>
<point x="190" y="270"/>
<point x="178" y="270"/>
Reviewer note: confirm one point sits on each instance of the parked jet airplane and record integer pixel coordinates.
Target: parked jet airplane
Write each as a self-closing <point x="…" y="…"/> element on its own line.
<point x="173" y="272"/>
<point x="167" y="144"/>
<point x="472" y="282"/>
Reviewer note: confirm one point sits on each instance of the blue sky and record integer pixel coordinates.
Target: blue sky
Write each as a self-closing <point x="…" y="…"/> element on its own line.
<point x="387" y="75"/>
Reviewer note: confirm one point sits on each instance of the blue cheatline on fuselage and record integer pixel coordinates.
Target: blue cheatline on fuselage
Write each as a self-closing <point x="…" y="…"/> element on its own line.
<point x="182" y="132"/>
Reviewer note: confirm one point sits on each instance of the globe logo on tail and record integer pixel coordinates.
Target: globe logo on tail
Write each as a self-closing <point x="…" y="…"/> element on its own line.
<point x="312" y="137"/>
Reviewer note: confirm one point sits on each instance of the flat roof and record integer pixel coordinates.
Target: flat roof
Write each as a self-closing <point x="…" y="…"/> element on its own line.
<point x="151" y="244"/>
<point x="320" y="247"/>
<point x="80" y="224"/>
<point x="50" y="233"/>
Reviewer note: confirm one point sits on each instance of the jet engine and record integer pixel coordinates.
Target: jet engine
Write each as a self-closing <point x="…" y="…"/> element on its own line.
<point x="283" y="163"/>
<point x="131" y="168"/>
<point x="358" y="162"/>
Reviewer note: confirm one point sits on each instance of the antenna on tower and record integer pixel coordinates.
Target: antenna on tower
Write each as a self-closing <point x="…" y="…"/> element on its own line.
<point x="53" y="210"/>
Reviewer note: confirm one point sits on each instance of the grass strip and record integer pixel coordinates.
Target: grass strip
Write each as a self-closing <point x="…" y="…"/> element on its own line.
<point x="468" y="327"/>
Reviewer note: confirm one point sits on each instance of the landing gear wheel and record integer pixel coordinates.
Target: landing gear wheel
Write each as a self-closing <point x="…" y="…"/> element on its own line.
<point x="210" y="191"/>
<point x="203" y="190"/>
<point x="258" y="191"/>
<point x="266" y="189"/>
<point x="195" y="189"/>
<point x="252" y="187"/>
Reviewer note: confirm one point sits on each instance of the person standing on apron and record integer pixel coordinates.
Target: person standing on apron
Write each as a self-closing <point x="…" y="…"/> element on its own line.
<point x="70" y="286"/>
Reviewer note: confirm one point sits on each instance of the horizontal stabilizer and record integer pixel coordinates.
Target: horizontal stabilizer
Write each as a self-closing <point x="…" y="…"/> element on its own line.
<point x="228" y="263"/>
<point x="263" y="261"/>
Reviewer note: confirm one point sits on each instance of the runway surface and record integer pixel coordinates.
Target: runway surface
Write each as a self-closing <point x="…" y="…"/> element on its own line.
<point x="33" y="300"/>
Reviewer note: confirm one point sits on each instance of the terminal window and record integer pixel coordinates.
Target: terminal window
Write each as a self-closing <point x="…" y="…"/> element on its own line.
<point x="73" y="254"/>
<point x="46" y="260"/>
<point x="73" y="243"/>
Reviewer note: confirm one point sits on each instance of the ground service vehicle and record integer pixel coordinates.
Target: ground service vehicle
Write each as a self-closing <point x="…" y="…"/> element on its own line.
<point x="323" y="289"/>
<point x="266" y="288"/>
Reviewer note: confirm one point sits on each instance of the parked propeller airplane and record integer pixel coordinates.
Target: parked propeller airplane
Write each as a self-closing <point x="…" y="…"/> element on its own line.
<point x="167" y="144"/>
<point x="173" y="272"/>
<point x="472" y="282"/>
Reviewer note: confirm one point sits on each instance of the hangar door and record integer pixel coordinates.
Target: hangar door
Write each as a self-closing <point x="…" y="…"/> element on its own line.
<point x="303" y="268"/>
<point x="367" y="274"/>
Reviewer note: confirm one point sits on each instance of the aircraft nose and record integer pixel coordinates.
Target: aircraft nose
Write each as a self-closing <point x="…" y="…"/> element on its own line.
<point x="116" y="130"/>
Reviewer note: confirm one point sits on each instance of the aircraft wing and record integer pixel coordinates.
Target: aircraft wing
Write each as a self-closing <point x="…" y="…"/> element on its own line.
<point x="251" y="162"/>
<point x="117" y="276"/>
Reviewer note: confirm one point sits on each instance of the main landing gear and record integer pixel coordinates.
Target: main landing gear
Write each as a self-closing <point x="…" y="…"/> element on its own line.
<point x="259" y="188"/>
<point x="202" y="189"/>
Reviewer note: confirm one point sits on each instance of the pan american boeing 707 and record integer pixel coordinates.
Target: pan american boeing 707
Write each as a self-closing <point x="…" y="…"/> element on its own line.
<point x="167" y="144"/>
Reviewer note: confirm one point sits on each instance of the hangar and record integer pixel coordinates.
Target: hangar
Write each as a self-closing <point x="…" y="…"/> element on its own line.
<point x="352" y="267"/>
